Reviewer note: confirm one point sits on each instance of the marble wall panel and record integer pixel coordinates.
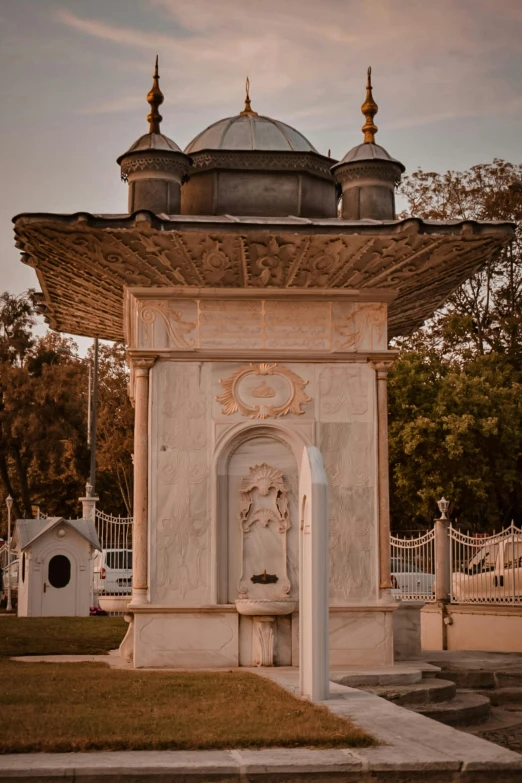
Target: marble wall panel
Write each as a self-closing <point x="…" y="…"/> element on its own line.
<point x="192" y="641"/>
<point x="361" y="638"/>
<point x="180" y="523"/>
<point x="346" y="438"/>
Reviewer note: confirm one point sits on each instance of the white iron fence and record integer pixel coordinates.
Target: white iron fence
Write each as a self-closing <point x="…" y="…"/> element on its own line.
<point x="486" y="569"/>
<point x="473" y="568"/>
<point x="413" y="567"/>
<point x="113" y="565"/>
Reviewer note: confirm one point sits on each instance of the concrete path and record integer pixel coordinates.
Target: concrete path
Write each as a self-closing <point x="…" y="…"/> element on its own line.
<point x="414" y="748"/>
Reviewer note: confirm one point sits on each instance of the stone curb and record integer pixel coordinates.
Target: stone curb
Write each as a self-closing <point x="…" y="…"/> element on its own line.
<point x="413" y="748"/>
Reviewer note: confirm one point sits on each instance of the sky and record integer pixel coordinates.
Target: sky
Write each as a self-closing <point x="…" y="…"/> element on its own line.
<point x="447" y="77"/>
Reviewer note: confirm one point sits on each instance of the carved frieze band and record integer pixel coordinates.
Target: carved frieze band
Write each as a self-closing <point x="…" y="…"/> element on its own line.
<point x="292" y="395"/>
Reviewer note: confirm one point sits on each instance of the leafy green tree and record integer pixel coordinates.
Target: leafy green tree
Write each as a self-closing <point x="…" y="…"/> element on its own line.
<point x="485" y="314"/>
<point x="455" y="430"/>
<point x="455" y="392"/>
<point x="44" y="456"/>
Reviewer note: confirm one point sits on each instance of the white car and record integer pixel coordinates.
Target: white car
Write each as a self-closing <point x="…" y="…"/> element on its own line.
<point x="494" y="573"/>
<point x="409" y="579"/>
<point x="113" y="572"/>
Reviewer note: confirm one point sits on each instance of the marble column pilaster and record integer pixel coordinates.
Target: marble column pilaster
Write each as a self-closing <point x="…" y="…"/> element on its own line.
<point x="382" y="369"/>
<point x="140" y="534"/>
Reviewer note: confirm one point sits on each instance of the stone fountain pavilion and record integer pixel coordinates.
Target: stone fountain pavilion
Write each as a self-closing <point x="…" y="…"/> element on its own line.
<point x="256" y="284"/>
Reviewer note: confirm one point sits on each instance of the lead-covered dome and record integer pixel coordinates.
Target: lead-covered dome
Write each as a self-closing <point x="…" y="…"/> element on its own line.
<point x="250" y="131"/>
<point x="250" y="164"/>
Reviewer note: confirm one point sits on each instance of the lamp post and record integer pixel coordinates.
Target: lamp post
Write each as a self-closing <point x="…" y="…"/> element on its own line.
<point x="443" y="505"/>
<point x="442" y="553"/>
<point x="9" y="504"/>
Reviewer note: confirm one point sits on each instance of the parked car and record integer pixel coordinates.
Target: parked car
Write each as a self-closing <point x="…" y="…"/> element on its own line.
<point x="494" y="573"/>
<point x="113" y="572"/>
<point x="410" y="579"/>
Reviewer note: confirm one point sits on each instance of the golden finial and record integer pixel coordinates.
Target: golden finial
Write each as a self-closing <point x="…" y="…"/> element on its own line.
<point x="248" y="108"/>
<point x="369" y="109"/>
<point x="155" y="99"/>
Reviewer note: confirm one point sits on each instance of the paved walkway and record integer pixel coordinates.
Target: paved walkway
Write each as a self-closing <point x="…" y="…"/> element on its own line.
<point x="414" y="748"/>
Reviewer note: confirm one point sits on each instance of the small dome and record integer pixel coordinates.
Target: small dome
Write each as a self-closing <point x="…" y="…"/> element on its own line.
<point x="153" y="141"/>
<point x="250" y="131"/>
<point x="368" y="151"/>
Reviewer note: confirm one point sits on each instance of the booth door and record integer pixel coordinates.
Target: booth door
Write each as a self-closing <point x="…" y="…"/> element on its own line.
<point x="59" y="586"/>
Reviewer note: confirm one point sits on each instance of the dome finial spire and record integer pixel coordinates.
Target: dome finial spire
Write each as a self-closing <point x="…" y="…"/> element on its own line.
<point x="369" y="109"/>
<point x="155" y="99"/>
<point x="248" y="108"/>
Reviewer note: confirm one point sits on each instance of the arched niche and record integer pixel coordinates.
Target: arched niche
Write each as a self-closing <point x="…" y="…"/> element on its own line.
<point x="237" y="552"/>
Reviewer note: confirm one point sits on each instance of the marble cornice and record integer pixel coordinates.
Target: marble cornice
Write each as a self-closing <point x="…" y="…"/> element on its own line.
<point x="85" y="262"/>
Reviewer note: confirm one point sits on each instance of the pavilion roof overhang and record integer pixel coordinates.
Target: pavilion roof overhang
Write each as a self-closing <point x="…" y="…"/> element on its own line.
<point x="84" y="262"/>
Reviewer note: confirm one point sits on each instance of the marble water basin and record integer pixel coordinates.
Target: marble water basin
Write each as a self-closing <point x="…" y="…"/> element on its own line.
<point x="264" y="606"/>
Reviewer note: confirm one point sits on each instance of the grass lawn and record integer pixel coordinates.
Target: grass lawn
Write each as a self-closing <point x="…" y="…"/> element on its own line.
<point x="60" y="635"/>
<point x="87" y="706"/>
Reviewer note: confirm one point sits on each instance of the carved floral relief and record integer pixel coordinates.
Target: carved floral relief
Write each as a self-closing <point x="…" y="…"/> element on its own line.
<point x="264" y="519"/>
<point x="363" y="327"/>
<point x="343" y="392"/>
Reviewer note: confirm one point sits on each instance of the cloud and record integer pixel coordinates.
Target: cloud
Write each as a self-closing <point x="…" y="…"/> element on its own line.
<point x="307" y="60"/>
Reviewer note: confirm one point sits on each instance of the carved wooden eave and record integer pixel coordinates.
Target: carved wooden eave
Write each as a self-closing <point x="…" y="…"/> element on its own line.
<point x="84" y="261"/>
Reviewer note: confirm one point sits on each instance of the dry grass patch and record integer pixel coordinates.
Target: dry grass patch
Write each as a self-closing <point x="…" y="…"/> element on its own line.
<point x="81" y="707"/>
<point x="60" y="635"/>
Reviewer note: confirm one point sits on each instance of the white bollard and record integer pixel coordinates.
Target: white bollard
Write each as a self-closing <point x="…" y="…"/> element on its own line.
<point x="314" y="673"/>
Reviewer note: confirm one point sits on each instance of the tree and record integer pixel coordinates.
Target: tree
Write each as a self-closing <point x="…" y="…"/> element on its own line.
<point x="485" y="314"/>
<point x="455" y="430"/>
<point x="44" y="456"/>
<point x="455" y="392"/>
<point x="115" y="439"/>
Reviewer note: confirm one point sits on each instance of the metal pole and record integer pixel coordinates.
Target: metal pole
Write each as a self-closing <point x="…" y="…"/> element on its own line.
<point x="92" y="477"/>
<point x="9" y="504"/>
<point x="89" y="404"/>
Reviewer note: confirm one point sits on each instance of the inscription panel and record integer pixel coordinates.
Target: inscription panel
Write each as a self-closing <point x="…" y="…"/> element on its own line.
<point x="194" y="325"/>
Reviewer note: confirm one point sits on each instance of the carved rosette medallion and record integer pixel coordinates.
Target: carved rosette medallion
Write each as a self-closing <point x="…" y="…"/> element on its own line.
<point x="280" y="394"/>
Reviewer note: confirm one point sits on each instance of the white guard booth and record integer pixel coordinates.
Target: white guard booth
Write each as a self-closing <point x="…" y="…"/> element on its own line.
<point x="55" y="572"/>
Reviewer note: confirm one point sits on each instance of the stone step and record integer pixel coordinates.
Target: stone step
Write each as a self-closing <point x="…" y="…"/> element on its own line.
<point x="357" y="677"/>
<point x="479" y="679"/>
<point x="429" y="691"/>
<point x="504" y="696"/>
<point x="466" y="709"/>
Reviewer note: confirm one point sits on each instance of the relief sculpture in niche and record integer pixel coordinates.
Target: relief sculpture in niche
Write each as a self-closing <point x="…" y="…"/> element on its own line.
<point x="264" y="518"/>
<point x="243" y="390"/>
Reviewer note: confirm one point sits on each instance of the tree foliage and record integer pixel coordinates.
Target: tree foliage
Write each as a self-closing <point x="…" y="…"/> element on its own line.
<point x="44" y="456"/>
<point x="456" y="390"/>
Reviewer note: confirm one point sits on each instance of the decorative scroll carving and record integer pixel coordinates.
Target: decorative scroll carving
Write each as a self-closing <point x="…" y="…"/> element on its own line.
<point x="176" y="327"/>
<point x="365" y="320"/>
<point x="232" y="401"/>
<point x="264" y="500"/>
